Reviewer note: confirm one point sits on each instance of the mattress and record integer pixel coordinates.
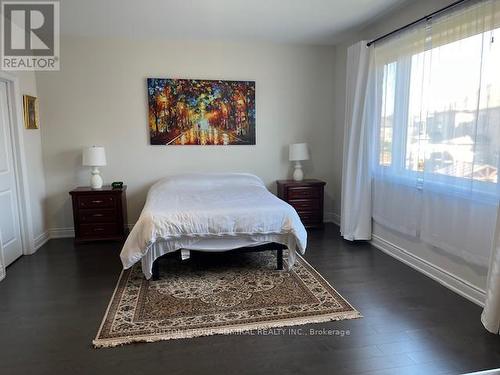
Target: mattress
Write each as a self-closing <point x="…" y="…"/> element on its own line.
<point x="211" y="212"/>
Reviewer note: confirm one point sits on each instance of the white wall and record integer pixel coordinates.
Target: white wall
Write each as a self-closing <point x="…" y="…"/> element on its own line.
<point x="99" y="97"/>
<point x="456" y="267"/>
<point x="33" y="154"/>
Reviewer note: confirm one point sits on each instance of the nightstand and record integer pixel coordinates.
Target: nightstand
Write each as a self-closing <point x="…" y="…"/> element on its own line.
<point x="306" y="197"/>
<point x="99" y="214"/>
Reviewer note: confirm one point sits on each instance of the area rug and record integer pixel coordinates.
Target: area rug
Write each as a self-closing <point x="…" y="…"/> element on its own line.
<point x="219" y="293"/>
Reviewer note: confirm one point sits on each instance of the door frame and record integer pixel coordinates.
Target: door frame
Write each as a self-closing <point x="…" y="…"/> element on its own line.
<point x="19" y="157"/>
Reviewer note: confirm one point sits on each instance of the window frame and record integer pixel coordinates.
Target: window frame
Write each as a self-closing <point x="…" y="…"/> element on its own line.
<point x="397" y="170"/>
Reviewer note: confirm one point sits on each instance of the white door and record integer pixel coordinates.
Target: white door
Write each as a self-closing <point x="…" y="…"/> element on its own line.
<point x="9" y="211"/>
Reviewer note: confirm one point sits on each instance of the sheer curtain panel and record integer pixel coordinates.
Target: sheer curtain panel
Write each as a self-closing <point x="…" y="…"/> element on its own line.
<point x="436" y="141"/>
<point x="355" y="219"/>
<point x="424" y="115"/>
<point x="491" y="313"/>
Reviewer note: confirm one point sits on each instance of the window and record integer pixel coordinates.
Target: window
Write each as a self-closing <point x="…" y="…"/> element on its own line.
<point x="440" y="110"/>
<point x="387" y="118"/>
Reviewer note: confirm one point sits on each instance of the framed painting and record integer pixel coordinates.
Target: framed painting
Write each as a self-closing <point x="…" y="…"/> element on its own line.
<point x="30" y="106"/>
<point x="201" y="112"/>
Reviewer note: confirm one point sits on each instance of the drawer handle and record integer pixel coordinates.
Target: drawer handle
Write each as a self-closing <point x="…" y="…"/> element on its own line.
<point x="97" y="215"/>
<point x="98" y="229"/>
<point x="97" y="201"/>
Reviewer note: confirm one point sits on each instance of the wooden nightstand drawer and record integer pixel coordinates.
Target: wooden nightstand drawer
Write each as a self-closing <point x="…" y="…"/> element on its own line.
<point x="97" y="216"/>
<point x="305" y="204"/>
<point x="306" y="197"/>
<point x="96" y="201"/>
<point x="98" y="230"/>
<point x="301" y="192"/>
<point x="310" y="218"/>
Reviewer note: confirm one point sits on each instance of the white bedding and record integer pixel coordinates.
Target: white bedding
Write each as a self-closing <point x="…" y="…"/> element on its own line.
<point x="211" y="212"/>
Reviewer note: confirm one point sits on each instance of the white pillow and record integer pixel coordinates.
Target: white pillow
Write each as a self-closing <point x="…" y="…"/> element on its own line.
<point x="207" y="181"/>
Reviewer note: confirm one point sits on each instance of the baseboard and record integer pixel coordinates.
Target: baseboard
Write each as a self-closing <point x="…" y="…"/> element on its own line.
<point x="61" y="232"/>
<point x="332" y="217"/>
<point x="445" y="278"/>
<point x="68" y="232"/>
<point x="41" y="240"/>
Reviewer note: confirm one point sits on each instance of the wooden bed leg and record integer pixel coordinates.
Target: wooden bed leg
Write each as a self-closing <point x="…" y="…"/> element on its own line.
<point x="279" y="259"/>
<point x="156" y="270"/>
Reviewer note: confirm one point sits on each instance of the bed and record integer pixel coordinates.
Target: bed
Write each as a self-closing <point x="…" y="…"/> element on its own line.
<point x="212" y="213"/>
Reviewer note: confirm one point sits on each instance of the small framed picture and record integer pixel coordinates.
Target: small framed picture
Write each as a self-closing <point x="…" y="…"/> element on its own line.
<point x="31" y="120"/>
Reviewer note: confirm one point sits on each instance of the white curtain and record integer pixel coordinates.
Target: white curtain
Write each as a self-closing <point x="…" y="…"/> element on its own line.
<point x="356" y="183"/>
<point x="436" y="149"/>
<point x="461" y="226"/>
<point x="491" y="313"/>
<point x="391" y="203"/>
<point x="429" y="114"/>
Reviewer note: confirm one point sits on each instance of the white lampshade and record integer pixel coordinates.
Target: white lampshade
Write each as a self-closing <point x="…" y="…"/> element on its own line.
<point x="94" y="156"/>
<point x="299" y="151"/>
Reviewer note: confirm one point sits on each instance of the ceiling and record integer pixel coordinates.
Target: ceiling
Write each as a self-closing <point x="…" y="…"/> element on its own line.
<point x="288" y="21"/>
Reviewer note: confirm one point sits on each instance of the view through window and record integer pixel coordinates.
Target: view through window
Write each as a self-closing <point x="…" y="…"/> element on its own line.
<point x="440" y="111"/>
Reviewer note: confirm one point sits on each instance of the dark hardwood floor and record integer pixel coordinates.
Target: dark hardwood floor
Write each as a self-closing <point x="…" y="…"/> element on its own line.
<point x="52" y="303"/>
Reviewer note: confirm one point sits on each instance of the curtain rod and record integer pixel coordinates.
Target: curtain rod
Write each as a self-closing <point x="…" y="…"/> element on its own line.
<point x="425" y="18"/>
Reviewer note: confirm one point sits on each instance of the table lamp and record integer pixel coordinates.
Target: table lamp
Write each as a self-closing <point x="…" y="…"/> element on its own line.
<point x="94" y="157"/>
<point x="297" y="153"/>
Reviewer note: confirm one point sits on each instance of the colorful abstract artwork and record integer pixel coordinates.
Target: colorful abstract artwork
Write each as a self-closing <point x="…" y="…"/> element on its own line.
<point x="201" y="112"/>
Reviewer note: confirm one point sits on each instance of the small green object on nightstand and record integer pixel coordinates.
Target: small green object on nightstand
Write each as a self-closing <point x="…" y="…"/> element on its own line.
<point x="117" y="185"/>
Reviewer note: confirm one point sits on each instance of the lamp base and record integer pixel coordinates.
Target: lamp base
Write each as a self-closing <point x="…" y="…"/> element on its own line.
<point x="95" y="179"/>
<point x="298" y="174"/>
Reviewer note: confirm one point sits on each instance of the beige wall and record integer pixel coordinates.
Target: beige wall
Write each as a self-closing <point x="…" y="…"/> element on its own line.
<point x="33" y="153"/>
<point x="437" y="257"/>
<point x="99" y="97"/>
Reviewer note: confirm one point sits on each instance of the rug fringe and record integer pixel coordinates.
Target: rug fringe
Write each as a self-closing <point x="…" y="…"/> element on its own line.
<point x="109" y="306"/>
<point x="110" y="343"/>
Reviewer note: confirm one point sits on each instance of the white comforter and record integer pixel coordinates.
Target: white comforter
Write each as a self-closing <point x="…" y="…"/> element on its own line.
<point x="211" y="212"/>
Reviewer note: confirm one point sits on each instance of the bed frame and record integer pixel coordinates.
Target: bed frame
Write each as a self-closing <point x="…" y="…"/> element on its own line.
<point x="272" y="246"/>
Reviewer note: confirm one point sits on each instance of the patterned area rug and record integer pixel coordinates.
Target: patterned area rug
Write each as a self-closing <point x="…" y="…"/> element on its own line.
<point x="219" y="293"/>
